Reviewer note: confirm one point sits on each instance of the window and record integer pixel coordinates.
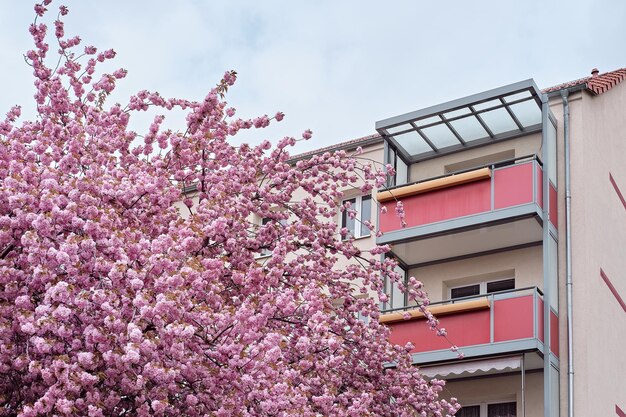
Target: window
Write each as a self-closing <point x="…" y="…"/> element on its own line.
<point x="502" y="410"/>
<point x="401" y="168"/>
<point x="489" y="410"/>
<point x="397" y="298"/>
<point x="265" y="221"/>
<point x="265" y="251"/>
<point x="356" y="223"/>
<point x="482" y="288"/>
<point x="466" y="291"/>
<point x="502" y="285"/>
<point x="469" y="411"/>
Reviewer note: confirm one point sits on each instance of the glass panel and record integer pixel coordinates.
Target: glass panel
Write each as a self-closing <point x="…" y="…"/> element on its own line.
<point x="441" y="136"/>
<point x="552" y="153"/>
<point x="265" y="251"/>
<point x="391" y="179"/>
<point x="400" y="128"/>
<point x="366" y="214"/>
<point x="457" y="113"/>
<point x="502" y="285"/>
<point x="465" y="291"/>
<point x="518" y="96"/>
<point x="469" y="411"/>
<point x="469" y="128"/>
<point x="555" y="405"/>
<point x="391" y="156"/>
<point x="402" y="172"/>
<point x="553" y="273"/>
<point x="502" y="410"/>
<point x="397" y="296"/>
<point x="487" y="104"/>
<point x="498" y="121"/>
<point x="413" y="143"/>
<point x="527" y="112"/>
<point x="428" y="120"/>
<point x="346" y="220"/>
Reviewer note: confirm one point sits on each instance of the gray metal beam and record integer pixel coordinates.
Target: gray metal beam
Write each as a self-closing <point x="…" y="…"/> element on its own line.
<point x="488" y="349"/>
<point x="460" y="224"/>
<point x="475" y="255"/>
<point x="461" y="102"/>
<point x="476" y="143"/>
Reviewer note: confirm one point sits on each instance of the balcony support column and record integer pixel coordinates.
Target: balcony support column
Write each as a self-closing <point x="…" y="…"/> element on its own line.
<point x="568" y="256"/>
<point x="547" y="374"/>
<point x="523" y="372"/>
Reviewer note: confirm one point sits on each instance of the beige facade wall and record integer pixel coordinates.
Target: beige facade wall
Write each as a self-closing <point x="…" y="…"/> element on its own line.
<point x="598" y="147"/>
<point x="525" y="265"/>
<point x="369" y="154"/>
<point x="498" y="389"/>
<point x="523" y="146"/>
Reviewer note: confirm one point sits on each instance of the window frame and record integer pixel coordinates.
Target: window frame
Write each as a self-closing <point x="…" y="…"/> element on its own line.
<point x="358" y="219"/>
<point x="392" y="303"/>
<point x="392" y="159"/>
<point x="266" y="252"/>
<point x="484" y="406"/>
<point x="482" y="287"/>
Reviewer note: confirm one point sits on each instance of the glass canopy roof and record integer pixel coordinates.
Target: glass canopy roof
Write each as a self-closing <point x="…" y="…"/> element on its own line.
<point x="502" y="113"/>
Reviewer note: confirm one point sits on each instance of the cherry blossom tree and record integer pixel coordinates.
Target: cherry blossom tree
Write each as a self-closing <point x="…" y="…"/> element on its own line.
<point x="113" y="302"/>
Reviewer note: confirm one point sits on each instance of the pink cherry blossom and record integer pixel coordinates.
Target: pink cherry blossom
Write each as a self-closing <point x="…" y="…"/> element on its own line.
<point x="120" y="300"/>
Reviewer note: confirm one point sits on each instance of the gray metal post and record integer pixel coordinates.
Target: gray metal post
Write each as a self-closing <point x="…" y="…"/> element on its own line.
<point x="547" y="379"/>
<point x="523" y="385"/>
<point x="568" y="256"/>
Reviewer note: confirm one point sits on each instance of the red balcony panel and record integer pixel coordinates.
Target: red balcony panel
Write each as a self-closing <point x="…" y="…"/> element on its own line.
<point x="513" y="318"/>
<point x="553" y="206"/>
<point x="554" y="216"/>
<point x="554" y="333"/>
<point x="434" y="206"/>
<point x="540" y="321"/>
<point x="554" y="329"/>
<point x="539" y="186"/>
<point x="513" y="186"/>
<point x="464" y="329"/>
<point x="469" y="323"/>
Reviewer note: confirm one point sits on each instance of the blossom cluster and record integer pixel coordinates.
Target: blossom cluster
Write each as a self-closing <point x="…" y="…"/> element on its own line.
<point x="112" y="303"/>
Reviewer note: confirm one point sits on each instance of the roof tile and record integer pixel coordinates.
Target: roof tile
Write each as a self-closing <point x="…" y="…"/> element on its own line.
<point x="598" y="84"/>
<point x="353" y="143"/>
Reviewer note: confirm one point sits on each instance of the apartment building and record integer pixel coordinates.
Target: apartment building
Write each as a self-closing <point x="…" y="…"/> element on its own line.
<point x="516" y="224"/>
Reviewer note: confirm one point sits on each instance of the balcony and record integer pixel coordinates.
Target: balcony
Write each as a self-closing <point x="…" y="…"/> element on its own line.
<point x="485" y="208"/>
<point x="498" y="323"/>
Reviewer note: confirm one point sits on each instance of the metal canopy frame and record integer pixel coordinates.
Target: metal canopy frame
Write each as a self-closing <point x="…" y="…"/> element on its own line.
<point x="502" y="113"/>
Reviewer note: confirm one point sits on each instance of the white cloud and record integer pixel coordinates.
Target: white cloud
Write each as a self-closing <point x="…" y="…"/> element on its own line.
<point x="334" y="67"/>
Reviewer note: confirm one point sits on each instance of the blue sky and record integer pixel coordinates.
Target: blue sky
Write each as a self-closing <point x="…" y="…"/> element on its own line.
<point x="335" y="67"/>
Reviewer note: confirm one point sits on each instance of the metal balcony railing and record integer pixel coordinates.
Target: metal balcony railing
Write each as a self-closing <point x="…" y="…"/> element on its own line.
<point x="503" y="321"/>
<point x="510" y="186"/>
